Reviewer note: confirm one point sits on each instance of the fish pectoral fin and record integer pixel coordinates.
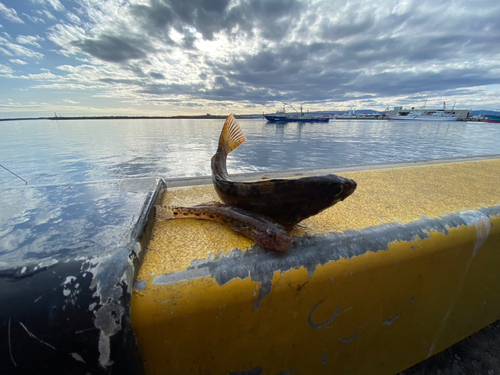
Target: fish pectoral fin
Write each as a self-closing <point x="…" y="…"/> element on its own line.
<point x="231" y="136"/>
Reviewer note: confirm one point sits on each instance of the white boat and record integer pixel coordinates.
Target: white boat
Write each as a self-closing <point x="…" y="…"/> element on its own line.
<point x="347" y="115"/>
<point x="439" y="115"/>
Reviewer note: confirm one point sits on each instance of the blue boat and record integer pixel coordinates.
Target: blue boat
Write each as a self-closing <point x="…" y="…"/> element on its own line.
<point x="282" y="116"/>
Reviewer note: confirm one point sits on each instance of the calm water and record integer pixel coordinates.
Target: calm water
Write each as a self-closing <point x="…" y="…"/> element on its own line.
<point x="69" y="152"/>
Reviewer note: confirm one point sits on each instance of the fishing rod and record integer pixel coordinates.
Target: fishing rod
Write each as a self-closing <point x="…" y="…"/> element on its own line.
<point x="8" y="170"/>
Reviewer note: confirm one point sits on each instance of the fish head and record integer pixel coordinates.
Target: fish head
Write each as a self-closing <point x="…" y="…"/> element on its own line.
<point x="340" y="187"/>
<point x="273" y="237"/>
<point x="348" y="187"/>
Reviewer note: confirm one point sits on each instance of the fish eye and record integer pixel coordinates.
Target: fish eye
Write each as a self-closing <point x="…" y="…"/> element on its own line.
<point x="338" y="189"/>
<point x="271" y="233"/>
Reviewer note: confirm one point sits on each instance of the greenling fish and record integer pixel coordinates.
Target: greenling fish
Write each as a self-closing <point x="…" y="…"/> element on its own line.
<point x="256" y="227"/>
<point x="287" y="201"/>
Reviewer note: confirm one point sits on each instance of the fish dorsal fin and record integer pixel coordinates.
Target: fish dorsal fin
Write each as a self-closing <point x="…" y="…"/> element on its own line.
<point x="232" y="136"/>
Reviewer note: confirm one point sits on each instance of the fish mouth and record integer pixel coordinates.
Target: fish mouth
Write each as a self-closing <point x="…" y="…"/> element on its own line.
<point x="348" y="187"/>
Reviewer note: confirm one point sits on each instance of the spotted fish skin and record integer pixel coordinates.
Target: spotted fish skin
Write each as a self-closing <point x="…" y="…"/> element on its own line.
<point x="259" y="228"/>
<point x="287" y="201"/>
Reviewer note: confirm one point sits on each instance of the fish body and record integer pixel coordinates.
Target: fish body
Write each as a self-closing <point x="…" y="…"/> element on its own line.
<point x="259" y="228"/>
<point x="287" y="201"/>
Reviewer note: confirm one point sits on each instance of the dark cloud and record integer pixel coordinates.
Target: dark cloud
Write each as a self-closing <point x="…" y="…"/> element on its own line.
<point x="157" y="75"/>
<point x="329" y="71"/>
<point x="302" y="51"/>
<point x="350" y="27"/>
<point x="112" y="48"/>
<point x="156" y="18"/>
<point x="160" y="15"/>
<point x="273" y="18"/>
<point x="413" y="83"/>
<point x="123" y="81"/>
<point x="172" y="89"/>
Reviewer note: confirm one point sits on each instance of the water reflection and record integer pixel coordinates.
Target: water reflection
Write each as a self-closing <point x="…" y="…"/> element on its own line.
<point x="67" y="152"/>
<point x="46" y="223"/>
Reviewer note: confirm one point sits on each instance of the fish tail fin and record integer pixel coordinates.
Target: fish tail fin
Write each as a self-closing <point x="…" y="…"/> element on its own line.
<point x="164" y="213"/>
<point x="231" y="136"/>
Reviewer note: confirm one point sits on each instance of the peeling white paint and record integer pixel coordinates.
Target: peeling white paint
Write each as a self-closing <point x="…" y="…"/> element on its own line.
<point x="67" y="290"/>
<point x="104" y="350"/>
<point x="110" y="276"/>
<point x="77" y="356"/>
<point x="481" y="222"/>
<point x="68" y="280"/>
<point x="176" y="277"/>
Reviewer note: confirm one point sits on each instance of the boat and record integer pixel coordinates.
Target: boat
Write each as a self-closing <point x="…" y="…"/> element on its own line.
<point x="439" y="115"/>
<point x="492" y="118"/>
<point x="346" y="116"/>
<point x="423" y="115"/>
<point x="281" y="116"/>
<point x="352" y="115"/>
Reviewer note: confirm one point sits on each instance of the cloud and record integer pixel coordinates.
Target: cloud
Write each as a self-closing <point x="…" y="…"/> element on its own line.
<point x="157" y="75"/>
<point x="270" y="18"/>
<point x="112" y="48"/>
<point x="55" y="4"/>
<point x="46" y="13"/>
<point x="40" y="76"/>
<point x="73" y="18"/>
<point x="262" y="51"/>
<point x="4" y="69"/>
<point x="10" y="14"/>
<point x="17" y="61"/>
<point x="33" y="18"/>
<point x="12" y="49"/>
<point x="31" y="40"/>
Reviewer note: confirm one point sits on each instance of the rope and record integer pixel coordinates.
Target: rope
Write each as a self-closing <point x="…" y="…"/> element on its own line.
<point x="8" y="170"/>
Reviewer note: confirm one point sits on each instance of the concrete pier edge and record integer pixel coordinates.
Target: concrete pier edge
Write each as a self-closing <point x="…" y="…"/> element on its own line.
<point x="401" y="281"/>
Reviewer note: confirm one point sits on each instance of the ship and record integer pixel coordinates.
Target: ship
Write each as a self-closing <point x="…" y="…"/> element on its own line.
<point x="423" y="115"/>
<point x="492" y="118"/>
<point x="281" y="116"/>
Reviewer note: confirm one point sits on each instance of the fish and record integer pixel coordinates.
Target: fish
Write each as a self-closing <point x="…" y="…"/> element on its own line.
<point x="259" y="228"/>
<point x="286" y="201"/>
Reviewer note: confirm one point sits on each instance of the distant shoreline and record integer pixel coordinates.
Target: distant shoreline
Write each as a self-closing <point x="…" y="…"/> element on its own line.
<point x="121" y="117"/>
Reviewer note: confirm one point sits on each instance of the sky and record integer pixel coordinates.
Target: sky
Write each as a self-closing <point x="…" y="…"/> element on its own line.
<point x="170" y="57"/>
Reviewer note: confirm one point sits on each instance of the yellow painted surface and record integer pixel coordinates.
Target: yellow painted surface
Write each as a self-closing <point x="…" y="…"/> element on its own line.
<point x="395" y="307"/>
<point x="382" y="196"/>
